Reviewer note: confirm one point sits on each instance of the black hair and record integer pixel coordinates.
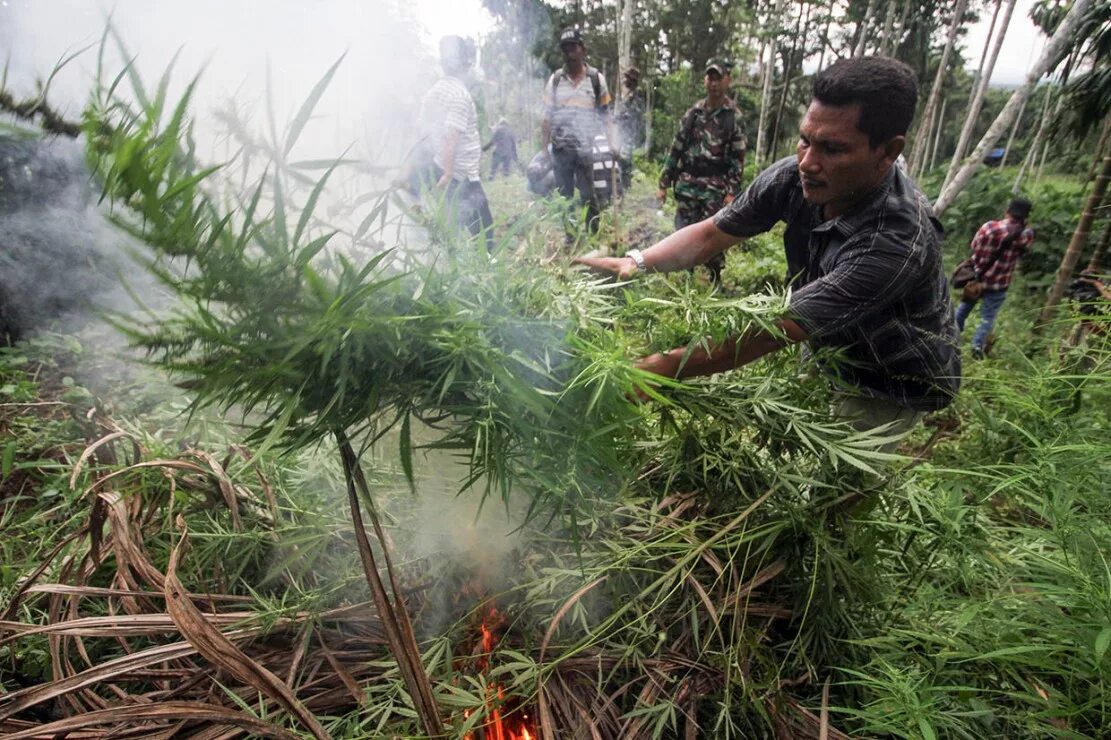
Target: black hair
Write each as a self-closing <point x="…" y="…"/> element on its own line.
<point x="885" y="88"/>
<point x="1020" y="208"/>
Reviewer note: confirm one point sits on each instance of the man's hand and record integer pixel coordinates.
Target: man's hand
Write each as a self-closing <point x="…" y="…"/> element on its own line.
<point x="728" y="198"/>
<point x="444" y="181"/>
<point x="661" y="363"/>
<point x="623" y="268"/>
<point x="661" y="195"/>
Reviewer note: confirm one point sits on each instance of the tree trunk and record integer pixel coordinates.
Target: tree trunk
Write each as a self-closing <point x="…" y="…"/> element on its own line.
<point x="980" y="88"/>
<point x="901" y="28"/>
<point x="1032" y="153"/>
<point x="825" y="40"/>
<point x="1101" y="148"/>
<point x="918" y="151"/>
<point x="769" y="69"/>
<point x="1076" y="245"/>
<point x="1046" y="141"/>
<point x="937" y="132"/>
<point x="624" y="48"/>
<point x="886" y="41"/>
<point x="788" y="67"/>
<point x="1050" y="54"/>
<point x="1096" y="263"/>
<point x="862" y="29"/>
<point x="650" y="98"/>
<point x="1011" y="137"/>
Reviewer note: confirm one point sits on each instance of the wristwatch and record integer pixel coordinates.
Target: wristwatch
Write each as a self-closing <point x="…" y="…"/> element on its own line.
<point x="637" y="257"/>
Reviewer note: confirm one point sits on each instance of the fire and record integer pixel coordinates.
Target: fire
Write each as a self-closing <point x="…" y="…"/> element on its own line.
<point x="505" y="719"/>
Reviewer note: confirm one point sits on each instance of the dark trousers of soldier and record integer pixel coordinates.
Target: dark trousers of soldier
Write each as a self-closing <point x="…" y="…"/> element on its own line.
<point x="626" y="164"/>
<point x="576" y="169"/>
<point x="499" y="163"/>
<point x="684" y="218"/>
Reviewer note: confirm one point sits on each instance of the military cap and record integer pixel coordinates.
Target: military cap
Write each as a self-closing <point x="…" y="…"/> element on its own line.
<point x="719" y="65"/>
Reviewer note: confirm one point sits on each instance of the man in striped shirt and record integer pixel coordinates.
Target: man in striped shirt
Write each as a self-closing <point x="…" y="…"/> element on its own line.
<point x="449" y="122"/>
<point x="996" y="249"/>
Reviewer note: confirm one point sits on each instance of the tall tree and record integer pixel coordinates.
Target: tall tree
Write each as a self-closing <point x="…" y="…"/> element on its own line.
<point x="624" y="45"/>
<point x="921" y="141"/>
<point x="1076" y="244"/>
<point x="1052" y="53"/>
<point x="772" y="30"/>
<point x="980" y="87"/>
<point x="1032" y="152"/>
<point x="864" y="29"/>
<point x="887" y="38"/>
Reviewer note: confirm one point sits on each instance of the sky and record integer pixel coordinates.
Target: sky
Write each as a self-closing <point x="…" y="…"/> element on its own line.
<point x="34" y="33"/>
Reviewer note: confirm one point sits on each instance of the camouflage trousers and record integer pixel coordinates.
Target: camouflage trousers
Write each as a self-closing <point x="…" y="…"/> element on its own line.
<point x="697" y="199"/>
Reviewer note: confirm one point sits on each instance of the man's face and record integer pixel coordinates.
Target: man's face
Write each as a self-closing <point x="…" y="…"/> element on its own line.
<point x="837" y="164"/>
<point x="715" y="83"/>
<point x="573" y="53"/>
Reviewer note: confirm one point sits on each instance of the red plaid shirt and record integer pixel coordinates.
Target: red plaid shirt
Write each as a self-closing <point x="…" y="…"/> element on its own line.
<point x="998" y="275"/>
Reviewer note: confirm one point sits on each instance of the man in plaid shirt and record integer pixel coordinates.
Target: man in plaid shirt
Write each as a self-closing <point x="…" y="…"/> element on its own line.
<point x="995" y="252"/>
<point x="863" y="251"/>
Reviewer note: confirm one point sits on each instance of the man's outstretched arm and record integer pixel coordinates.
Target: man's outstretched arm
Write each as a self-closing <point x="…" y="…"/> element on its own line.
<point x="729" y="354"/>
<point x="686" y="248"/>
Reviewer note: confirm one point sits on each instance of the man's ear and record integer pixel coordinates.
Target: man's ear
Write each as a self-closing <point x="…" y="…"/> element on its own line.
<point x="892" y="148"/>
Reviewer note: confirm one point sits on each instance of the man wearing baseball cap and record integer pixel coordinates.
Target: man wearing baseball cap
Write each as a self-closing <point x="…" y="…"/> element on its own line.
<point x="707" y="159"/>
<point x="576" y="109"/>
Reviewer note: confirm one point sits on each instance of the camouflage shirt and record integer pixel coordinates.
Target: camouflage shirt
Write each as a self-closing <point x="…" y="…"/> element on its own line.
<point x="709" y="144"/>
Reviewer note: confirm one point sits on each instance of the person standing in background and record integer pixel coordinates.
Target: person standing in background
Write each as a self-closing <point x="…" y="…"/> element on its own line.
<point x="630" y="124"/>
<point x="576" y="109"/>
<point x="504" y="143"/>
<point x="996" y="249"/>
<point x="449" y="122"/>
<point x="707" y="159"/>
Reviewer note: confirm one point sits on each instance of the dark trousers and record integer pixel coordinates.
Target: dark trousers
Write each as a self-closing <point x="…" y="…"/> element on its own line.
<point x="473" y="209"/>
<point x="572" y="169"/>
<point x="468" y="200"/>
<point x="499" y="163"/>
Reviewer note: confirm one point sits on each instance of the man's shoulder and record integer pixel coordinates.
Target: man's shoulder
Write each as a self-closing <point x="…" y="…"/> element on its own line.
<point x="903" y="216"/>
<point x="994" y="228"/>
<point x="780" y="183"/>
<point x="782" y="173"/>
<point x="450" y="86"/>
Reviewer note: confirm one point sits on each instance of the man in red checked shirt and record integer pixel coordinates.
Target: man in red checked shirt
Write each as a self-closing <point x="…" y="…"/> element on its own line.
<point x="995" y="252"/>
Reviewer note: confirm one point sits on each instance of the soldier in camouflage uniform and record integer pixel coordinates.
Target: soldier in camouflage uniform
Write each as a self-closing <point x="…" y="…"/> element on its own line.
<point x="707" y="158"/>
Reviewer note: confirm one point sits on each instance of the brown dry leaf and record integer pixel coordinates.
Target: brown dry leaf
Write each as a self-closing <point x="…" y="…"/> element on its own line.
<point x="227" y="490"/>
<point x="161" y="712"/>
<point x="17" y="701"/>
<point x="219" y="650"/>
<point x="91" y="450"/>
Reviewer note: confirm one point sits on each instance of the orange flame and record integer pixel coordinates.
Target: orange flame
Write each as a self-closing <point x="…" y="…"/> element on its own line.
<point x="514" y="724"/>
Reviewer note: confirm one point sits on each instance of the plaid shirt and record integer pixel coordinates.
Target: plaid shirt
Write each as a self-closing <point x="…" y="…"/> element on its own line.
<point x="869" y="283"/>
<point x="988" y="239"/>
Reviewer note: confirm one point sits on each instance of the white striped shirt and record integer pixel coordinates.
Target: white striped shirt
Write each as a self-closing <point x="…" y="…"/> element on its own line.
<point x="448" y="106"/>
